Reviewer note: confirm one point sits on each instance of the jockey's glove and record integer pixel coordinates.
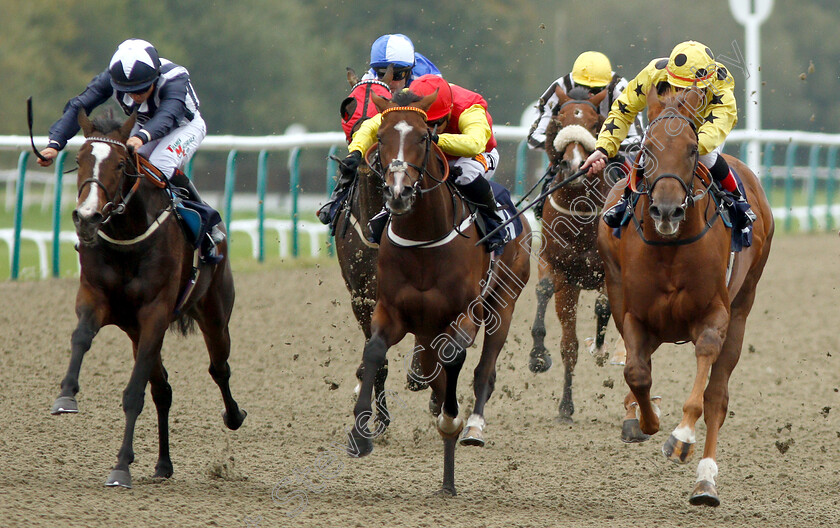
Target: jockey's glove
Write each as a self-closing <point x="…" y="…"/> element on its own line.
<point x="349" y="164"/>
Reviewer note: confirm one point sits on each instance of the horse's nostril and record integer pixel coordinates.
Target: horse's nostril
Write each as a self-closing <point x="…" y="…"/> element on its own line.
<point x="388" y="192"/>
<point x="406" y="192"/>
<point x="654" y="211"/>
<point x="679" y="212"/>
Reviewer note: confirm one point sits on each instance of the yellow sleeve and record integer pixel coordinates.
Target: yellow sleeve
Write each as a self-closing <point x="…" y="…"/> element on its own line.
<point x="365" y="137"/>
<point x="475" y="133"/>
<point x="624" y="110"/>
<point x="721" y="113"/>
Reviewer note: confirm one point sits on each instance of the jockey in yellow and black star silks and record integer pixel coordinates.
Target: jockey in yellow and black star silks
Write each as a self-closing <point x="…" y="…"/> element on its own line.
<point x="689" y="63"/>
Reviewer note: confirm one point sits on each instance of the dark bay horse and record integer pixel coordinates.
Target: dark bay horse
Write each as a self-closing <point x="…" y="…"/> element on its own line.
<point x="356" y="254"/>
<point x="569" y="260"/>
<point x="433" y="281"/>
<point x="137" y="273"/>
<point x="669" y="280"/>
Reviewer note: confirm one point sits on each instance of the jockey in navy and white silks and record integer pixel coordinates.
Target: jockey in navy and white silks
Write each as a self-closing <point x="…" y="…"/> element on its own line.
<point x="169" y="126"/>
<point x="397" y="50"/>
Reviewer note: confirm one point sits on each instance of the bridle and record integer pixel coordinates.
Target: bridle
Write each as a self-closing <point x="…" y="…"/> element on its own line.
<point x="116" y="204"/>
<point x="397" y="165"/>
<point x="690" y="197"/>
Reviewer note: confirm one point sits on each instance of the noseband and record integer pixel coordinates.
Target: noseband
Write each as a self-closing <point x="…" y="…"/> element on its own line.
<point x="115" y="205"/>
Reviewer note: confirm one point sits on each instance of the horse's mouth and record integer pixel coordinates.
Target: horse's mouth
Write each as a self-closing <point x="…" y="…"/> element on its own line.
<point x="399" y="207"/>
<point x="666" y="229"/>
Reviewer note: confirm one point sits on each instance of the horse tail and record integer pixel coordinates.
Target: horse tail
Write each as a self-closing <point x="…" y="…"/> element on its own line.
<point x="184" y="325"/>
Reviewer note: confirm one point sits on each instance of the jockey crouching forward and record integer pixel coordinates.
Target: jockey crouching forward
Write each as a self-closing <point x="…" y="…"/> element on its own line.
<point x="466" y="138"/>
<point x="690" y="63"/>
<point x="169" y="127"/>
<point x="593" y="71"/>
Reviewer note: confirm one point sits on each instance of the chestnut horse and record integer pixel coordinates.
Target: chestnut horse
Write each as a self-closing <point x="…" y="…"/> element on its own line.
<point x="569" y="260"/>
<point x="433" y="281"/>
<point x="670" y="280"/>
<point x="139" y="272"/>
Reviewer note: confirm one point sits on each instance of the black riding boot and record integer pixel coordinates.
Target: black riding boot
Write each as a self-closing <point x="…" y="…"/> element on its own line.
<point x="344" y="182"/>
<point x="480" y="193"/>
<point x="538" y="209"/>
<point x="180" y="180"/>
<point x="734" y="199"/>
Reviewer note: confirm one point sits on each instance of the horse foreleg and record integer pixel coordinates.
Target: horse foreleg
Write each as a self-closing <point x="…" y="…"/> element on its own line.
<point x="540" y="360"/>
<point x="637" y="372"/>
<point x="384" y="329"/>
<point x="214" y="326"/>
<point x="680" y="444"/>
<point x="162" y="396"/>
<point x="147" y="357"/>
<point x="484" y="376"/>
<point x="566" y="299"/>
<point x="90" y="321"/>
<point x="448" y="424"/>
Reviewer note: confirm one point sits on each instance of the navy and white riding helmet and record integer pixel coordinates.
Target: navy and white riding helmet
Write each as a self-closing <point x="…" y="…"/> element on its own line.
<point x="134" y="66"/>
<point x="396" y="49"/>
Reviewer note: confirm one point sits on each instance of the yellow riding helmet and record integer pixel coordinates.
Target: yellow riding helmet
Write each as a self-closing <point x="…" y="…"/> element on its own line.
<point x="690" y="62"/>
<point x="592" y="69"/>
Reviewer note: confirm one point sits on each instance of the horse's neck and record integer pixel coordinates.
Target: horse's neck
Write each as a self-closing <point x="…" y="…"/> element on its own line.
<point x="368" y="199"/>
<point x="142" y="209"/>
<point x="431" y="217"/>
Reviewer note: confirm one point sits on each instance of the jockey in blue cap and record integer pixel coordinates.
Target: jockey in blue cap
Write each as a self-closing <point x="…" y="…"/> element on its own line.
<point x="397" y="50"/>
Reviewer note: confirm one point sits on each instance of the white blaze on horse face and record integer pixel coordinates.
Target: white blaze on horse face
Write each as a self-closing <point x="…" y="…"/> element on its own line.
<point x="403" y="128"/>
<point x="100" y="152"/>
<point x="579" y="157"/>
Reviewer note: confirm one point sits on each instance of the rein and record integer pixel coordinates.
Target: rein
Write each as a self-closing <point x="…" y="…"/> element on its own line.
<point x="116" y="205"/>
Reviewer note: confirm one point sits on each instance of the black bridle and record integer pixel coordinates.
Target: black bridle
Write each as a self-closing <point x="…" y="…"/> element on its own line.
<point x="116" y="204"/>
<point x="690" y="197"/>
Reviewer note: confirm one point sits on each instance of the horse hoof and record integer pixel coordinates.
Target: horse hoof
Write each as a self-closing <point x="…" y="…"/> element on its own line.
<point x="677" y="450"/>
<point x="446" y="491"/>
<point x="359" y="445"/>
<point x="617" y="360"/>
<point x="119" y="477"/>
<point x="233" y="423"/>
<point x="472" y="436"/>
<point x="704" y="494"/>
<point x="539" y="363"/>
<point x="384" y="419"/>
<point x="163" y="471"/>
<point x="564" y="418"/>
<point x="65" y="405"/>
<point x="631" y="433"/>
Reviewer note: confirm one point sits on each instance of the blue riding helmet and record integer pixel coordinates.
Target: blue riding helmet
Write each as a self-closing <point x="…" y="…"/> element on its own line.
<point x="394" y="49"/>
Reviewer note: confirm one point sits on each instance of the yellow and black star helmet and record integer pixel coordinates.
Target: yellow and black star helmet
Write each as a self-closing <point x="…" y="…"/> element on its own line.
<point x="690" y="62"/>
<point x="592" y="69"/>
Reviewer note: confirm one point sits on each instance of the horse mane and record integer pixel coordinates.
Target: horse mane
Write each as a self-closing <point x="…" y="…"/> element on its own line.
<point x="105" y="124"/>
<point x="579" y="93"/>
<point x="405" y="98"/>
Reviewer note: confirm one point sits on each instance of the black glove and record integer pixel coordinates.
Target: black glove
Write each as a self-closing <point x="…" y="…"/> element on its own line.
<point x="349" y="164"/>
<point x="434" y="137"/>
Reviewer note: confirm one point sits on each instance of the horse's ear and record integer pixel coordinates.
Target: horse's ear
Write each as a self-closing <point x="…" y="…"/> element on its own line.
<point x="597" y="98"/>
<point x="692" y="100"/>
<point x="84" y="122"/>
<point x="425" y="103"/>
<point x="352" y="78"/>
<point x="125" y="129"/>
<point x="561" y="95"/>
<point x="654" y="104"/>
<point x="380" y="102"/>
<point x="389" y="75"/>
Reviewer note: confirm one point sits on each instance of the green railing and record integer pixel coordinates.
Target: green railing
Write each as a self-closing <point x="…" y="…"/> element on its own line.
<point x="803" y="190"/>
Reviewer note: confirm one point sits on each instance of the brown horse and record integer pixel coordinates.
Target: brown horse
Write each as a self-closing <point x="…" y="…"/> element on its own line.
<point x="669" y="280"/>
<point x="139" y="272"/>
<point x="569" y="260"/>
<point x="356" y="254"/>
<point x="433" y="281"/>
